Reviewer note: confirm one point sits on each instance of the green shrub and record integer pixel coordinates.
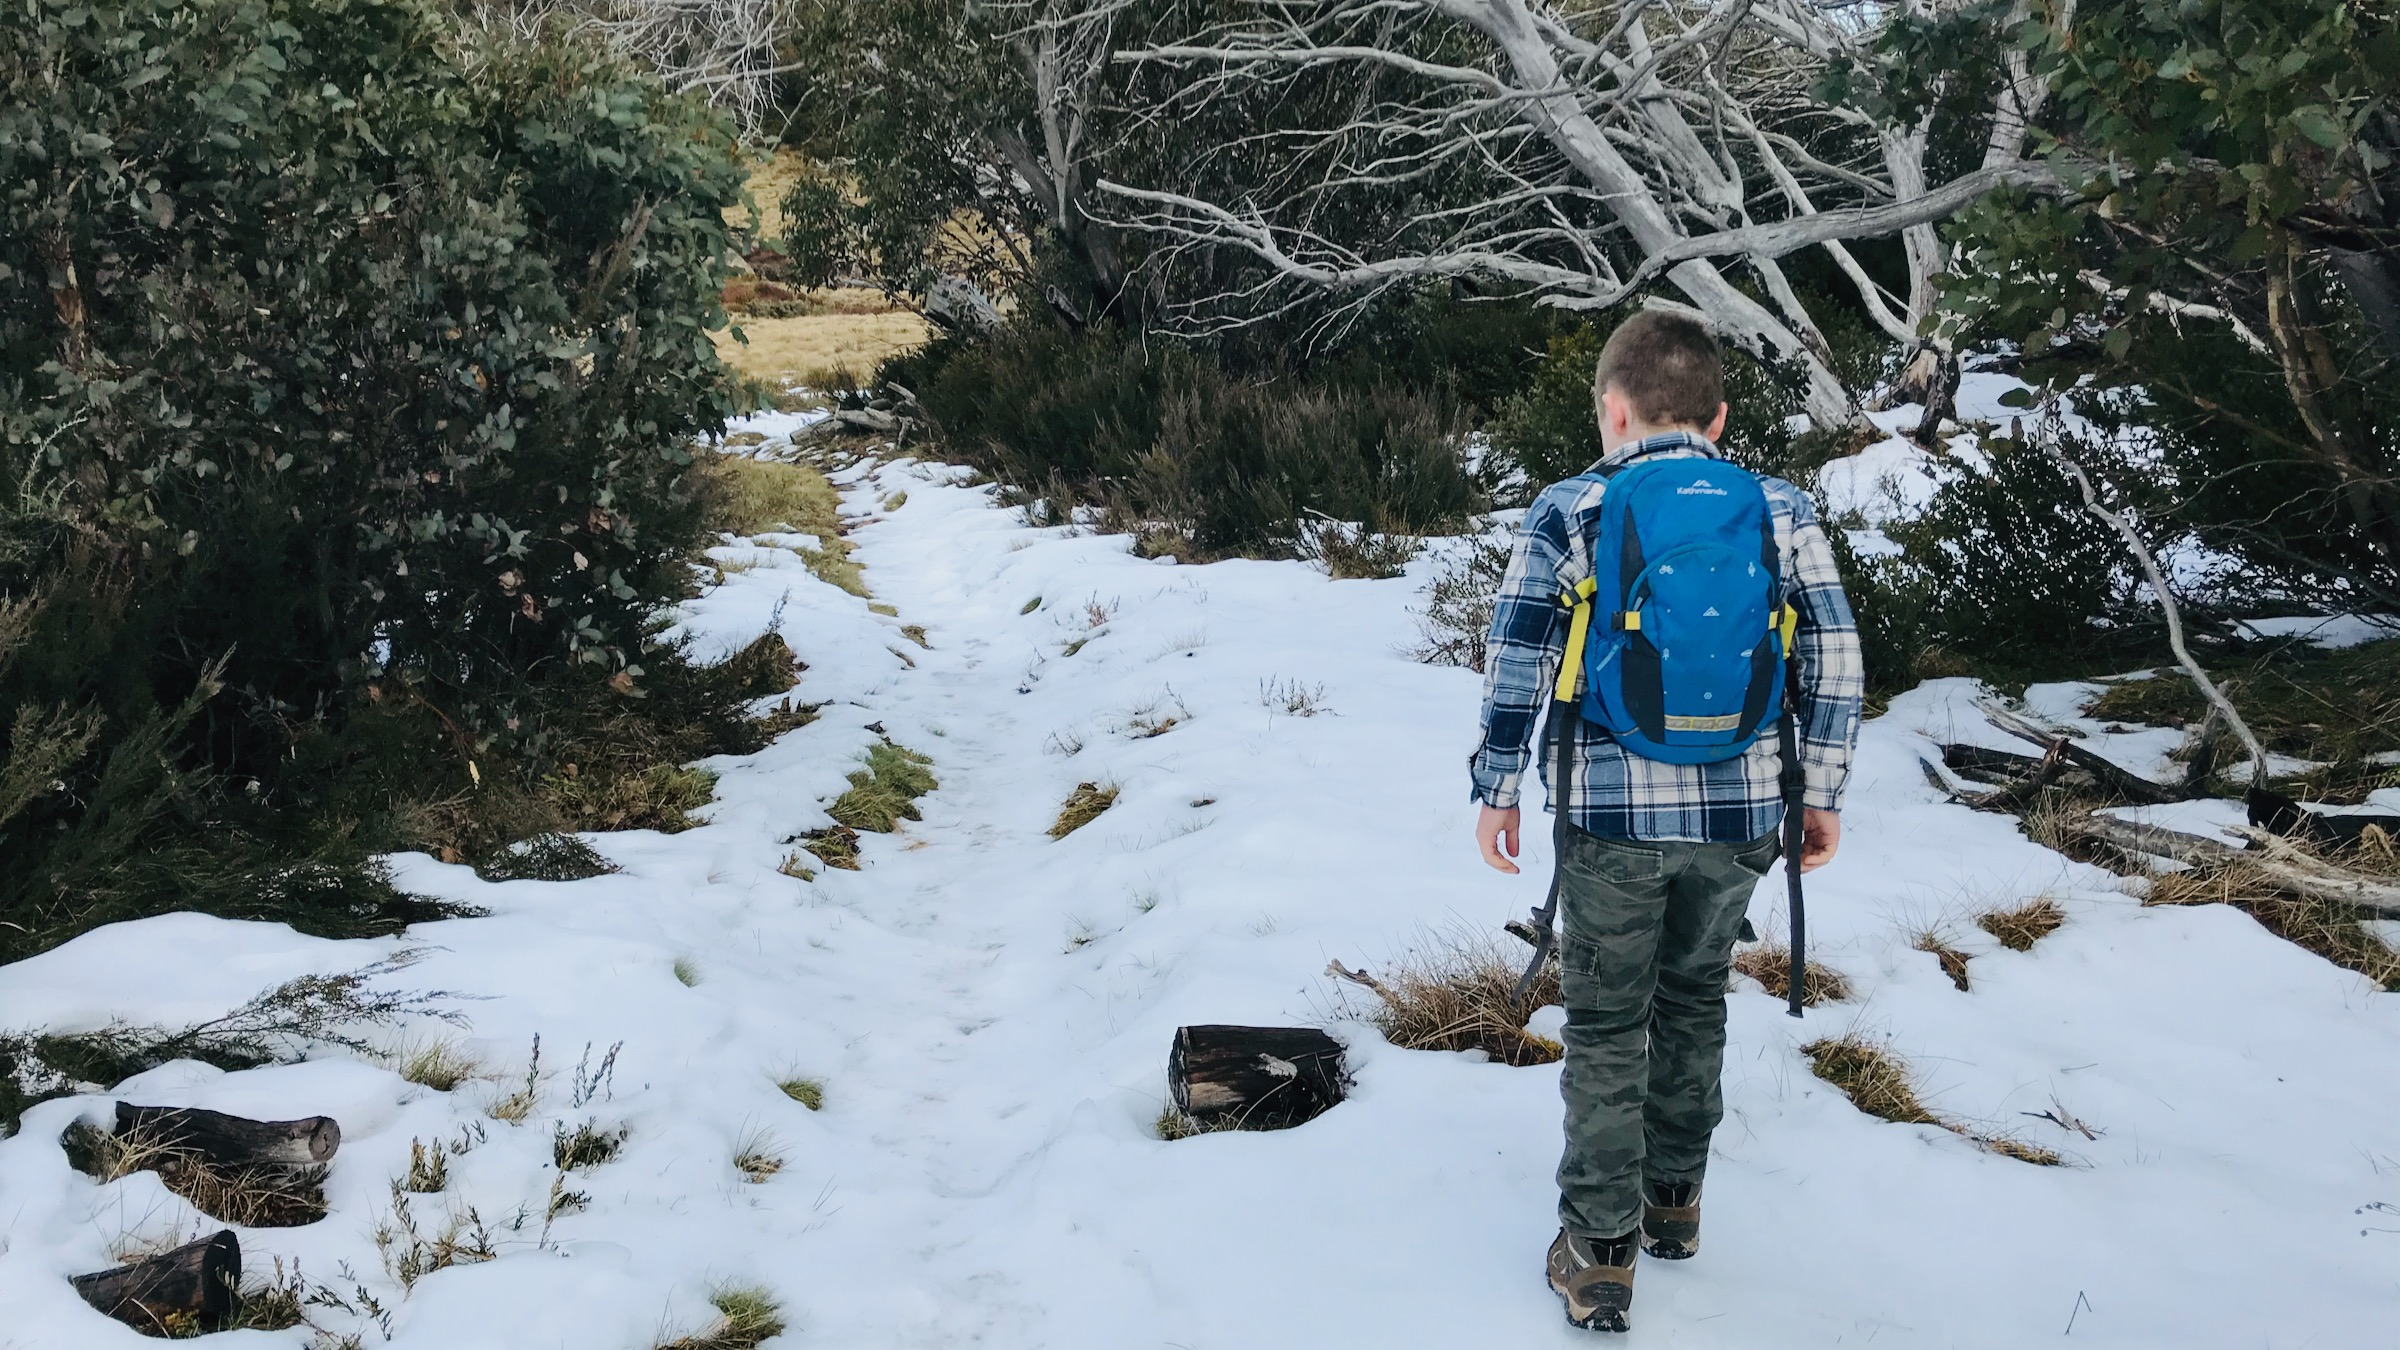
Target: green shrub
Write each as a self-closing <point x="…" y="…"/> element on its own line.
<point x="2002" y="573"/>
<point x="1550" y="429"/>
<point x="1226" y="465"/>
<point x="348" y="368"/>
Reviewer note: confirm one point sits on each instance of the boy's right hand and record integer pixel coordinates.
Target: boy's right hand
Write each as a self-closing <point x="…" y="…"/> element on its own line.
<point x="1496" y="830"/>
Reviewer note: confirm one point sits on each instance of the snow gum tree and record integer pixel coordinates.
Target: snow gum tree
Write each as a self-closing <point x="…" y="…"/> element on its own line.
<point x="1591" y="154"/>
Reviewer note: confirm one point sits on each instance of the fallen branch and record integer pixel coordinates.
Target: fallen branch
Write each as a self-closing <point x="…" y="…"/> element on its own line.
<point x="1362" y="979"/>
<point x="2275" y="861"/>
<point x="2125" y="782"/>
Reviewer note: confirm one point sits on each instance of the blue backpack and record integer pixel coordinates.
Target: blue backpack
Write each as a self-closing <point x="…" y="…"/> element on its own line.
<point x="1688" y="661"/>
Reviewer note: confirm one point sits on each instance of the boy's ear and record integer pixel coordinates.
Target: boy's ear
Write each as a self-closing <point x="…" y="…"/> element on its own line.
<point x="1616" y="412"/>
<point x="1716" y="427"/>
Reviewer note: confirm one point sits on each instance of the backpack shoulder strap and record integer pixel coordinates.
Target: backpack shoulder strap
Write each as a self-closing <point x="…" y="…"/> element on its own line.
<point x="1577" y="601"/>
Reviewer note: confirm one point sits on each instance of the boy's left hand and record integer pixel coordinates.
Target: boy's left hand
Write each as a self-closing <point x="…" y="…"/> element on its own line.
<point x="1495" y="830"/>
<point x="1820" y="835"/>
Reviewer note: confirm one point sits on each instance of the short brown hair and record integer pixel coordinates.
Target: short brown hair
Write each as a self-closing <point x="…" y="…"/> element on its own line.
<point x="1666" y="366"/>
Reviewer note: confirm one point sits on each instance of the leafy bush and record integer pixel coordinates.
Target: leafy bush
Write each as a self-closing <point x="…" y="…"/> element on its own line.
<point x="1456" y="622"/>
<point x="1227" y="464"/>
<point x="2002" y="571"/>
<point x="1550" y="430"/>
<point x="349" y="363"/>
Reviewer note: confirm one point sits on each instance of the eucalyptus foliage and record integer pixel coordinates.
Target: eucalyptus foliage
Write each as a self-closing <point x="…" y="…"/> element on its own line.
<point x="347" y="357"/>
<point x="2224" y="273"/>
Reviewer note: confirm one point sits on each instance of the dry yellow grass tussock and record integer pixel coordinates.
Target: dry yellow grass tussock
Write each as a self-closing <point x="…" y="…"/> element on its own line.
<point x="1460" y="993"/>
<point x="1770" y="963"/>
<point x="2331" y="931"/>
<point x="2018" y="927"/>
<point x="1882" y="1084"/>
<point x="807" y="350"/>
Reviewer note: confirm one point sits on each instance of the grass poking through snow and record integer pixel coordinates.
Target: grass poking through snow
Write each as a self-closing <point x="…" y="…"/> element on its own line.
<point x="2018" y="927"/>
<point x="834" y="847"/>
<point x="1461" y="994"/>
<point x="1173" y="1124"/>
<point x="1953" y="961"/>
<point x="809" y="1092"/>
<point x="1293" y="697"/>
<point x="885" y="792"/>
<point x="2332" y="931"/>
<point x="1083" y="806"/>
<point x="1770" y="963"/>
<point x="1881" y="1084"/>
<point x="428" y="1168"/>
<point x="747" y="1317"/>
<point x="760" y="496"/>
<point x="440" y="1065"/>
<point x="756" y="1155"/>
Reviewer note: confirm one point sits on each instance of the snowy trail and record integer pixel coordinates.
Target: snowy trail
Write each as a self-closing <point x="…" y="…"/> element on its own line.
<point x="990" y="1012"/>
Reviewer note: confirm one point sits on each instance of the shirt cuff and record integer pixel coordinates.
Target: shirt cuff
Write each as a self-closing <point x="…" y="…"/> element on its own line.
<point x="1499" y="791"/>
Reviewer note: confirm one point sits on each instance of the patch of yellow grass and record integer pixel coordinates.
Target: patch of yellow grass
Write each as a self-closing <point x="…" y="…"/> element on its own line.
<point x="2019" y="927"/>
<point x="1082" y="807"/>
<point x="1173" y="1124"/>
<point x="1954" y="962"/>
<point x="757" y="496"/>
<point x="1461" y="995"/>
<point x="1881" y="1084"/>
<point x="1770" y="963"/>
<point x="806" y="349"/>
<point x="440" y="1065"/>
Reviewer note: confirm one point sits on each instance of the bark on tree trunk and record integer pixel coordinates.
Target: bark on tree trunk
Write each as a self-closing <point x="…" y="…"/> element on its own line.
<point x="194" y="1288"/>
<point x="1929" y="379"/>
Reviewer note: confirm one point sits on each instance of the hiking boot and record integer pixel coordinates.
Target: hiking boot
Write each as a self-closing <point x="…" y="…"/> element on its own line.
<point x="1671" y="1219"/>
<point x="1595" y="1277"/>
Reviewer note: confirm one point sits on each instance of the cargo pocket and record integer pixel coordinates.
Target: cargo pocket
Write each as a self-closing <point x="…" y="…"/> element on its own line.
<point x="1600" y="859"/>
<point x="1578" y="957"/>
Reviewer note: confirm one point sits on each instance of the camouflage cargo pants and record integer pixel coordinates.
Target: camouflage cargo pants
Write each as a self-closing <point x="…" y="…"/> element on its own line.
<point x="1647" y="937"/>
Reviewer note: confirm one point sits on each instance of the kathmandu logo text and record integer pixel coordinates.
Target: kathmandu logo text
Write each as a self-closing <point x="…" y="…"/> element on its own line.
<point x="1699" y="486"/>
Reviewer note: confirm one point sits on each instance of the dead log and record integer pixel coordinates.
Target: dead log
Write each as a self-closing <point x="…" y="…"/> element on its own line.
<point x="1255" y="1078"/>
<point x="2123" y="781"/>
<point x="2275" y="861"/>
<point x="2046" y="770"/>
<point x="1985" y="762"/>
<point x="2272" y="811"/>
<point x="2157" y="841"/>
<point x="231" y="1142"/>
<point x="194" y="1288"/>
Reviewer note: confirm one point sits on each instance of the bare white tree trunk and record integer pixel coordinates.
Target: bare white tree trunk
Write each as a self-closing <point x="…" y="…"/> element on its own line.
<point x="1620" y="145"/>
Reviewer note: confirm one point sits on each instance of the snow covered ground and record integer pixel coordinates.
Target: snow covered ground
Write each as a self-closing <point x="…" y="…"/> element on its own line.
<point x="990" y="1011"/>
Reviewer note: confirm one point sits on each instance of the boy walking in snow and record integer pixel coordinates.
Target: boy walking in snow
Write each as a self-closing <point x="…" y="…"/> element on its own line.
<point x="1658" y="856"/>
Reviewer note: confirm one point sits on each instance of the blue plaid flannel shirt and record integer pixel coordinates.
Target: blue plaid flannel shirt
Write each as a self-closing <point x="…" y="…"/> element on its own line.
<point x="1620" y="795"/>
